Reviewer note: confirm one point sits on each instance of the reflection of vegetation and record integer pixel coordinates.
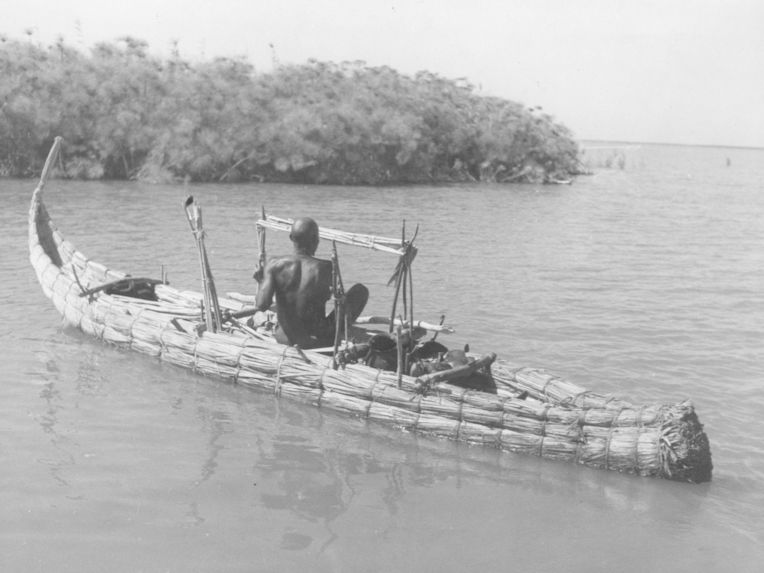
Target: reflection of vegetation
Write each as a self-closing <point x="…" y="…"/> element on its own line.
<point x="126" y="114"/>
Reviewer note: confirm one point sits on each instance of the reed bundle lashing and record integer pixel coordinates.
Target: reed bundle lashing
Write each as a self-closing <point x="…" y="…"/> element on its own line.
<point x="532" y="412"/>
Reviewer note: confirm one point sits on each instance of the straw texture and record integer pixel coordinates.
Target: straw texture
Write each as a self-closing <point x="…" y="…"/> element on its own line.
<point x="531" y="413"/>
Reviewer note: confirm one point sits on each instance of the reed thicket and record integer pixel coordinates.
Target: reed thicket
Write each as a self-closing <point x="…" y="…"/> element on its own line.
<point x="127" y="114"/>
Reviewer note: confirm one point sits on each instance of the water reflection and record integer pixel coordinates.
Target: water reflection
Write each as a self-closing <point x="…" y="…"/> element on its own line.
<point x="217" y="424"/>
<point x="395" y="489"/>
<point x="320" y="466"/>
<point x="50" y="373"/>
<point x="327" y="467"/>
<point x="91" y="380"/>
<point x="313" y="484"/>
<point x="633" y="282"/>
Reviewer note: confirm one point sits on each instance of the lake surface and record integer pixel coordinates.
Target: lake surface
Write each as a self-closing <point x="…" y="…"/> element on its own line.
<point x="646" y="282"/>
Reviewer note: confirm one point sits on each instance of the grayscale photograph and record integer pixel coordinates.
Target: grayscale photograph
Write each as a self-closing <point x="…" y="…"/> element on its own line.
<point x="382" y="286"/>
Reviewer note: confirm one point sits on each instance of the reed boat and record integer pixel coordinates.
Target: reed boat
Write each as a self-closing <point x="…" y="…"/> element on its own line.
<point x="528" y="411"/>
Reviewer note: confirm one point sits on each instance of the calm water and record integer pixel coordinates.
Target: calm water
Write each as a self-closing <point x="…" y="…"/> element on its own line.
<point x="646" y="282"/>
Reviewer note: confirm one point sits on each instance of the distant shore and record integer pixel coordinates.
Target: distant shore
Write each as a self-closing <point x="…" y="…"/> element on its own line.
<point x="125" y="114"/>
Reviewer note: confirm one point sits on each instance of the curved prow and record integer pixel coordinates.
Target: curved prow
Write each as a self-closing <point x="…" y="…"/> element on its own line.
<point x="49" y="162"/>
<point x="41" y="229"/>
<point x="64" y="272"/>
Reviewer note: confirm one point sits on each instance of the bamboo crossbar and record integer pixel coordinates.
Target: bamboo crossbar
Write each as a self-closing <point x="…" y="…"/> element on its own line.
<point x="376" y="243"/>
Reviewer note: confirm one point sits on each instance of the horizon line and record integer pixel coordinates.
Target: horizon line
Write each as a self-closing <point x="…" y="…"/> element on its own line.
<point x="625" y="142"/>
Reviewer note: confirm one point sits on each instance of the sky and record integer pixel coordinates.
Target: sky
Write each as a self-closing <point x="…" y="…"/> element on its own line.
<point x="668" y="71"/>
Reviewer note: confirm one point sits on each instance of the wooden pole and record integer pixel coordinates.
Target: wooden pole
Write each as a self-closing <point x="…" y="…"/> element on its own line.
<point x="411" y="279"/>
<point x="261" y="257"/>
<point x="211" y="289"/>
<point x="399" y="369"/>
<point x="404" y="290"/>
<point x="411" y="300"/>
<point x="398" y="280"/>
<point x="338" y="292"/>
<point x="211" y="305"/>
<point x="395" y="296"/>
<point x="405" y="271"/>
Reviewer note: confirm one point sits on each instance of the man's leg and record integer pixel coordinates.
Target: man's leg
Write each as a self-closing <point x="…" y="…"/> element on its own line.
<point x="355" y="301"/>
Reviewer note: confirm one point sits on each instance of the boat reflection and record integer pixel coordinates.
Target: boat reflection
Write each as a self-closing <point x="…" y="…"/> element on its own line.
<point x="318" y="466"/>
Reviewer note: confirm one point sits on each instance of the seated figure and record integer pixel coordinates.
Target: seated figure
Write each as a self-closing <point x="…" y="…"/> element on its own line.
<point x="301" y="284"/>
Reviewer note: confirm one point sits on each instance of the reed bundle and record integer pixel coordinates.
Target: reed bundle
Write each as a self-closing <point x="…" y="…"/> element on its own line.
<point x="548" y="387"/>
<point x="532" y="412"/>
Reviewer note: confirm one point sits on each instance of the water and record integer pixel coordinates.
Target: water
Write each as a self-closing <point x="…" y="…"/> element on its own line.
<point x="646" y="282"/>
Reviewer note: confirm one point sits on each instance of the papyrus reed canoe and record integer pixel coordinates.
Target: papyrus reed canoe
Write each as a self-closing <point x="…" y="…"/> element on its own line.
<point x="532" y="412"/>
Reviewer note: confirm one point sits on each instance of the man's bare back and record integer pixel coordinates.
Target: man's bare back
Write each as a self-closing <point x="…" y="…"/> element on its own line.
<point x="301" y="284"/>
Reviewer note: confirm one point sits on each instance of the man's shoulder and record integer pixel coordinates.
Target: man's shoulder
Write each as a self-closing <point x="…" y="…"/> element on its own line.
<point x="313" y="261"/>
<point x="287" y="262"/>
<point x="281" y="263"/>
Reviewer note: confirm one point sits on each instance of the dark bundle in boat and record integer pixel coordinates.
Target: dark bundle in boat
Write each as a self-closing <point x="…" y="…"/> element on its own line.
<point x="524" y="409"/>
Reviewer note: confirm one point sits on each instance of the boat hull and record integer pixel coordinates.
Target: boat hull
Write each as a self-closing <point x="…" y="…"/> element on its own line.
<point x="532" y="412"/>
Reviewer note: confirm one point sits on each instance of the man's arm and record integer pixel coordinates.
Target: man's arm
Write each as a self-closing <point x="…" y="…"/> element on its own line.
<point x="266" y="290"/>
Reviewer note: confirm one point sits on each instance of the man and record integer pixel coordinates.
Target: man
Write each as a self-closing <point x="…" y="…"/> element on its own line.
<point x="302" y="284"/>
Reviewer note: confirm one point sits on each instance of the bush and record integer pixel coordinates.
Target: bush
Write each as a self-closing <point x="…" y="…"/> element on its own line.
<point x="126" y="114"/>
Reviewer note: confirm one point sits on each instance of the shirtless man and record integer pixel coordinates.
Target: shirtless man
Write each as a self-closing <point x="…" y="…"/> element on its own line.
<point x="302" y="284"/>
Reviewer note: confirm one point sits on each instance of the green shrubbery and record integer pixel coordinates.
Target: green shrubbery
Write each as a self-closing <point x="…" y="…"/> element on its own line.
<point x="126" y="114"/>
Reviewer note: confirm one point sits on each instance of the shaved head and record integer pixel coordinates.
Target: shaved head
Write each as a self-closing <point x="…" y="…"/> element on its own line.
<point x="304" y="234"/>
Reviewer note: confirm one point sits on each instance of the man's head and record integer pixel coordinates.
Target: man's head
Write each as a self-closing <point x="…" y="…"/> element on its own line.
<point x="304" y="235"/>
